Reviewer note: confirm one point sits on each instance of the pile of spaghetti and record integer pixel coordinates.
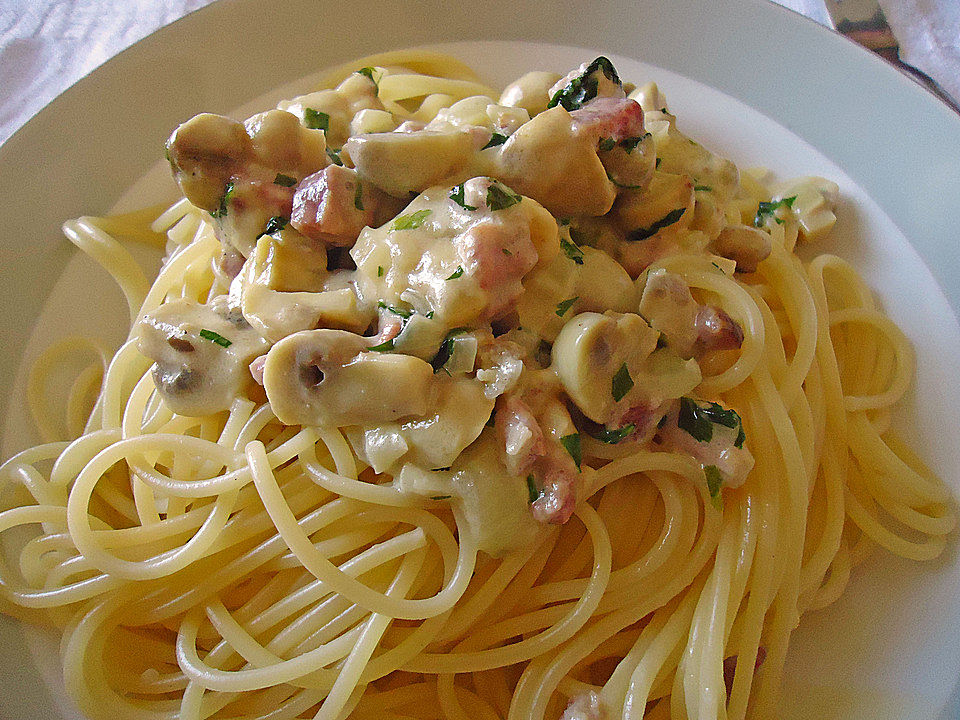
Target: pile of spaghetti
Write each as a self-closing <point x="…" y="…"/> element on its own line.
<point x="455" y="404"/>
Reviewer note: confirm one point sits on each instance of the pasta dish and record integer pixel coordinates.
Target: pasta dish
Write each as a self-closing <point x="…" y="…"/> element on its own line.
<point x="451" y="403"/>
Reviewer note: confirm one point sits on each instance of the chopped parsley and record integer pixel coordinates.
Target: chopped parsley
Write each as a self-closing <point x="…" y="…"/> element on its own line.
<point x="702" y="188"/>
<point x="395" y="310"/>
<point x="622" y="185"/>
<point x="698" y="421"/>
<point x="500" y="197"/>
<point x="565" y="305"/>
<point x="767" y="210"/>
<point x="440" y="497"/>
<point x="316" y="120"/>
<point x="495" y="139"/>
<point x="379" y="270"/>
<point x="606" y="144"/>
<point x="221" y="210"/>
<point x="334" y="156"/>
<point x="583" y="88"/>
<point x="622" y="384"/>
<point x="456" y="194"/>
<point x="370" y="72"/>
<point x="274" y="224"/>
<point x="215" y="337"/>
<point x="669" y="219"/>
<point x="532" y="491"/>
<point x="506" y="252"/>
<point x="612" y="437"/>
<point x="571" y="250"/>
<point x="284" y="180"/>
<point x="429" y="315"/>
<point x="411" y="221"/>
<point x="358" y="196"/>
<point x="656" y="163"/>
<point x="630" y="144"/>
<point x="571" y="443"/>
<point x="714" y="483"/>
<point x="382" y="347"/>
<point x="445" y="350"/>
<point x="456" y="273"/>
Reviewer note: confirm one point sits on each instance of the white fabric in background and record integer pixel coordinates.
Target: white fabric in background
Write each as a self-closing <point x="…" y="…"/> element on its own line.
<point x="929" y="35"/>
<point x="47" y="45"/>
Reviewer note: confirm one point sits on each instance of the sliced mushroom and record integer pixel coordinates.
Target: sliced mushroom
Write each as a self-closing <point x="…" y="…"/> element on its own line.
<point x="746" y="245"/>
<point x="327" y="378"/>
<point x="548" y="160"/>
<point x="669" y="307"/>
<point x="403" y="162"/>
<point x="530" y="91"/>
<point x="204" y="154"/>
<point x="592" y="349"/>
<point x="201" y="354"/>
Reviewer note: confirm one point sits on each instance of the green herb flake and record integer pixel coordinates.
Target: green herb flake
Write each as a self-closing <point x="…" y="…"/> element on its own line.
<point x="334" y="156"/>
<point x="606" y="144"/>
<point x="215" y="337"/>
<point x="429" y="315"/>
<point x="619" y="184"/>
<point x="495" y="139"/>
<point x="284" y="180"/>
<point x="583" y="88"/>
<point x="379" y="270"/>
<point x="622" y="383"/>
<point x="316" y="120"/>
<point x="612" y="437"/>
<point x="667" y="220"/>
<point x="565" y="305"/>
<point x="506" y="252"/>
<point x="656" y="164"/>
<point x="571" y="250"/>
<point x="274" y="225"/>
<point x="500" y="198"/>
<point x="456" y="194"/>
<point x="395" y="310"/>
<point x="411" y="221"/>
<point x="456" y="273"/>
<point x="571" y="443"/>
<point x="766" y="210"/>
<point x="445" y="350"/>
<point x="702" y="188"/>
<point x="630" y="144"/>
<point x="532" y="491"/>
<point x="382" y="347"/>
<point x="358" y="197"/>
<point x="699" y="420"/>
<point x="714" y="483"/>
<point x="440" y="497"/>
<point x="370" y="72"/>
<point x="221" y="210"/>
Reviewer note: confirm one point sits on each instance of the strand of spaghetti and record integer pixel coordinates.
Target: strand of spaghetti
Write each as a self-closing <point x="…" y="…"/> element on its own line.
<point x="702" y="665"/>
<point x="457" y="662"/>
<point x="456" y="578"/>
<point x="740" y="305"/>
<point x="349" y="673"/>
<point x="902" y="350"/>
<point x="111" y="256"/>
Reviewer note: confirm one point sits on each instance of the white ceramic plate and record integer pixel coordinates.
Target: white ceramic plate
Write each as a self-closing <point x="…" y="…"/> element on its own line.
<point x="747" y="78"/>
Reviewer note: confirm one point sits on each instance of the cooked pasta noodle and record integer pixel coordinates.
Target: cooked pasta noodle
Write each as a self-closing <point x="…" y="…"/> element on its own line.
<point x="222" y="562"/>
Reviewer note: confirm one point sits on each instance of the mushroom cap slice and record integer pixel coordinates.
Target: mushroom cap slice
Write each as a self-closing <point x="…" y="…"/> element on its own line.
<point x="327" y="378"/>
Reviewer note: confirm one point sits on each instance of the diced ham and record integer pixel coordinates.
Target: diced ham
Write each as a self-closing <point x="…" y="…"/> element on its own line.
<point x="609" y="117"/>
<point x="558" y="497"/>
<point x="519" y="434"/>
<point x="498" y="254"/>
<point x="256" y="368"/>
<point x="716" y="330"/>
<point x="328" y="207"/>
